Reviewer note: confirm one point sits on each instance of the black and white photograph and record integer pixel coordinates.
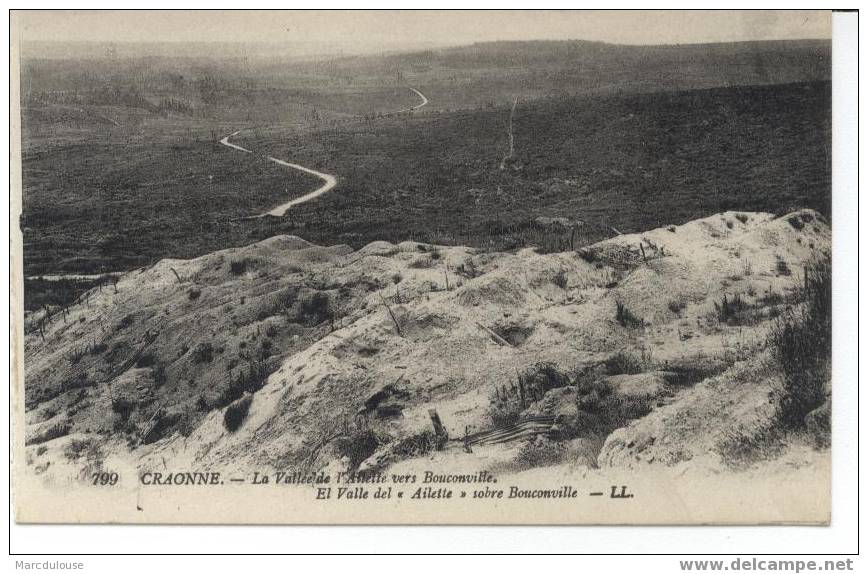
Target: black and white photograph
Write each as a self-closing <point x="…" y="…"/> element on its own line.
<point x="422" y="267"/>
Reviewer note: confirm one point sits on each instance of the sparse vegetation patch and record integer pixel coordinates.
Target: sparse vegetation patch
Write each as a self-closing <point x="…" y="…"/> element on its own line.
<point x="626" y="318"/>
<point x="236" y="412"/>
<point x="801" y="343"/>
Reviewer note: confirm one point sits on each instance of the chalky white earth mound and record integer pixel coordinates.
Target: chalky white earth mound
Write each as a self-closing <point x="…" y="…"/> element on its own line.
<point x="336" y="356"/>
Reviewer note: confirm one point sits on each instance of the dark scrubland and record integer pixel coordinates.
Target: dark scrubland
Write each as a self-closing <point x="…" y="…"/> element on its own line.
<point x="628" y="162"/>
<point x="121" y="165"/>
<point x="100" y="208"/>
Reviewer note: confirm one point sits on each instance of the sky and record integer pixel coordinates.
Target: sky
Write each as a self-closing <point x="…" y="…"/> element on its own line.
<point x="367" y="29"/>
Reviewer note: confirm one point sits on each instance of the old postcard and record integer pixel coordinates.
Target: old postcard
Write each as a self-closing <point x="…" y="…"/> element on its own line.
<point x="438" y="267"/>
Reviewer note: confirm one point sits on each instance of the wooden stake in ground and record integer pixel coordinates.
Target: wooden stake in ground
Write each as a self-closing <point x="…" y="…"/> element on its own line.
<point x="392" y="315"/>
<point x="439" y="430"/>
<point x="497" y="338"/>
<point x="178" y="277"/>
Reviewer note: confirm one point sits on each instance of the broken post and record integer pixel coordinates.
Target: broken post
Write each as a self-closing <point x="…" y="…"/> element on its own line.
<point x="497" y="338"/>
<point x="178" y="277"/>
<point x="392" y="315"/>
<point x="439" y="429"/>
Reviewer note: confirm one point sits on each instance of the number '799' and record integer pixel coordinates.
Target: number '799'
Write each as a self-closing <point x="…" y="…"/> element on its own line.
<point x="105" y="478"/>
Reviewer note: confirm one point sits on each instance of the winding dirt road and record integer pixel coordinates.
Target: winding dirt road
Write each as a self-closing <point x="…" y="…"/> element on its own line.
<point x="329" y="181"/>
<point x="417" y="106"/>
